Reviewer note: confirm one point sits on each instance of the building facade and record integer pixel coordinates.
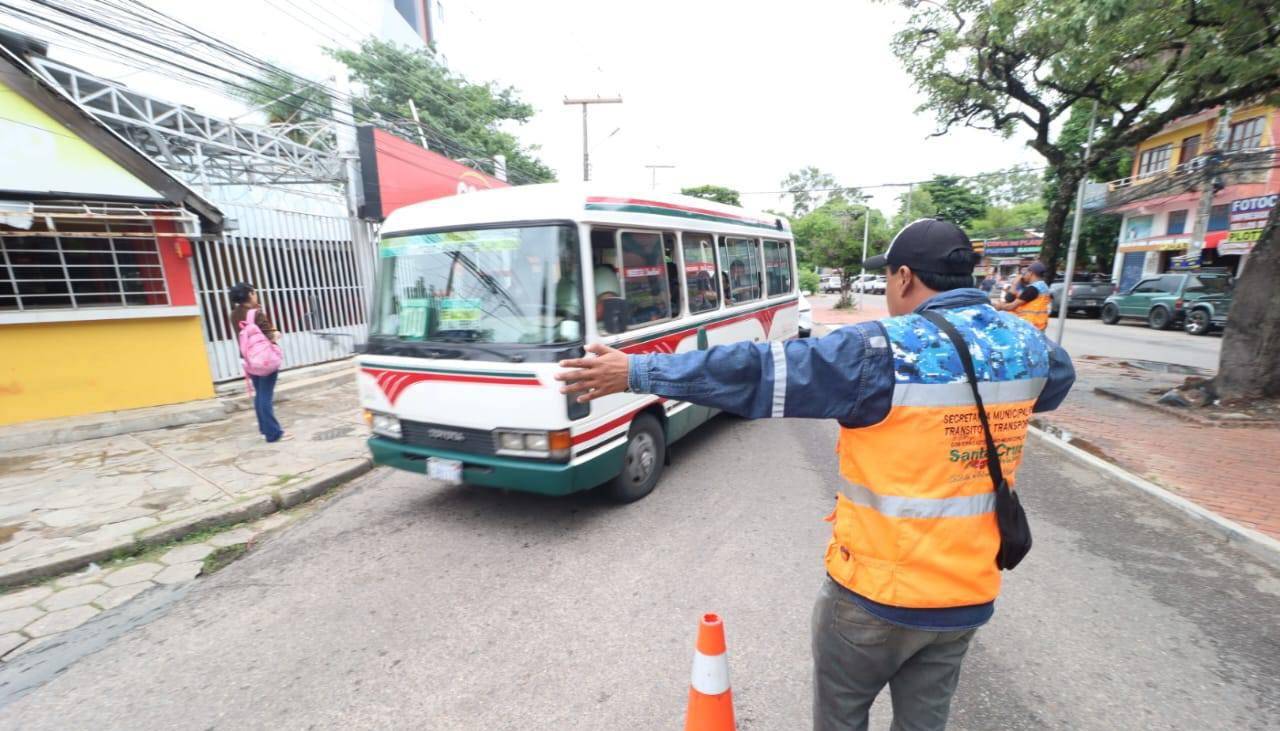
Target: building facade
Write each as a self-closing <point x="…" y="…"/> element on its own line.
<point x="98" y="309"/>
<point x="1234" y="153"/>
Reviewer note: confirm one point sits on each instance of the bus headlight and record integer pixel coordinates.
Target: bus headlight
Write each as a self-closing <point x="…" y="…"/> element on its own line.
<point x="554" y="445"/>
<point x="385" y="425"/>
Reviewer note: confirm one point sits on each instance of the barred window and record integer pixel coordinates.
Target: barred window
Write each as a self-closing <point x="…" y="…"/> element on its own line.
<point x="80" y="264"/>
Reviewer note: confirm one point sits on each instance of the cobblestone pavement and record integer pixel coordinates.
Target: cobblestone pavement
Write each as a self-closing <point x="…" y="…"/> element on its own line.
<point x="60" y="501"/>
<point x="34" y="616"/>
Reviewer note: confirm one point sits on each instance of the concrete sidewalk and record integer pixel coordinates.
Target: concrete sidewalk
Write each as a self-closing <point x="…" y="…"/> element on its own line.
<point x="65" y="506"/>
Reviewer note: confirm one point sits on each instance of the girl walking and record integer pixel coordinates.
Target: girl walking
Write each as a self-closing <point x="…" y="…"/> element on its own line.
<point x="244" y="301"/>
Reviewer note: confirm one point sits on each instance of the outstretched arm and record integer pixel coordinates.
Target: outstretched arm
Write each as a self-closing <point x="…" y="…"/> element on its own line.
<point x="815" y="377"/>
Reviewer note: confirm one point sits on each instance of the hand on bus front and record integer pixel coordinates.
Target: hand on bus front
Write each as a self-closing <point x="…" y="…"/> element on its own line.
<point x="595" y="377"/>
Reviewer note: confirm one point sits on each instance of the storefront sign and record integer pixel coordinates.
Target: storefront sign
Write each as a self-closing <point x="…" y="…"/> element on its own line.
<point x="1186" y="261"/>
<point x="1020" y="247"/>
<point x="1246" y="219"/>
<point x="1165" y="243"/>
<point x="396" y="173"/>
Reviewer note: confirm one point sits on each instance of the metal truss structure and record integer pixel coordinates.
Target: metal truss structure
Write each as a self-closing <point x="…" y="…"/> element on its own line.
<point x="199" y="147"/>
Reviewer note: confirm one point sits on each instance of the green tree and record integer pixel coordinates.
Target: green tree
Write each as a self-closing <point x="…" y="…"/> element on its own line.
<point x="809" y="187"/>
<point x="1099" y="231"/>
<point x="953" y="200"/>
<point x="460" y="118"/>
<point x="1008" y="221"/>
<point x="914" y="204"/>
<point x="717" y="193"/>
<point x="1007" y="65"/>
<point x="1009" y="187"/>
<point x="287" y="99"/>
<point x="832" y="233"/>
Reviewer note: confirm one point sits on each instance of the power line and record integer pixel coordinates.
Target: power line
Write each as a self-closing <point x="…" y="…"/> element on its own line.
<point x="449" y="145"/>
<point x="878" y="186"/>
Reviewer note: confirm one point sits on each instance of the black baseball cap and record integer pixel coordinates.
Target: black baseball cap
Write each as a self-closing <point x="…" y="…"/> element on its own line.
<point x="929" y="245"/>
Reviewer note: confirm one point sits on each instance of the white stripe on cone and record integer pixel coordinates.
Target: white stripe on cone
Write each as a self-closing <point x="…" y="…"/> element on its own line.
<point x="710" y="673"/>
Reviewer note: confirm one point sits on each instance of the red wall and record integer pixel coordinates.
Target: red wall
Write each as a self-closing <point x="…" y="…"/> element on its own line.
<point x="177" y="272"/>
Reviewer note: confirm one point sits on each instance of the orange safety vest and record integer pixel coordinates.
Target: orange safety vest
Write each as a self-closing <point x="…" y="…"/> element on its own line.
<point x="1036" y="311"/>
<point x="915" y="525"/>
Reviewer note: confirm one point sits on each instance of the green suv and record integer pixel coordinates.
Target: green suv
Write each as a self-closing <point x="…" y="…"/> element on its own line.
<point x="1163" y="300"/>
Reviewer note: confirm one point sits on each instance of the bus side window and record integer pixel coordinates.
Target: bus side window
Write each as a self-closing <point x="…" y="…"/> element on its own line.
<point x="743" y="277"/>
<point x="673" y="271"/>
<point x="700" y="272"/>
<point x="777" y="263"/>
<point x="644" y="278"/>
<point x="604" y="264"/>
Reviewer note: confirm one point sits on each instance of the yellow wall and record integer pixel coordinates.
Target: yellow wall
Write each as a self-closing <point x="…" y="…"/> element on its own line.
<point x="1205" y="129"/>
<point x="57" y="369"/>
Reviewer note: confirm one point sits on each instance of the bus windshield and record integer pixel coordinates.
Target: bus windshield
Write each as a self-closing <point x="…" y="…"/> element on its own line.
<point x="491" y="285"/>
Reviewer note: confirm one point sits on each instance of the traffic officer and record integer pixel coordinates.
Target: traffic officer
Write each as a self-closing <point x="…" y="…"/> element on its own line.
<point x="1033" y="301"/>
<point x="911" y="564"/>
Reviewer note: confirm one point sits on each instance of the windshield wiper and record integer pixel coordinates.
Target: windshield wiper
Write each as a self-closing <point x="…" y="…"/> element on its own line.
<point x="513" y="357"/>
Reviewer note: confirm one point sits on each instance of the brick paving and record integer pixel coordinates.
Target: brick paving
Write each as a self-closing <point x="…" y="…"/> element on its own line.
<point x="1231" y="471"/>
<point x="824" y="314"/>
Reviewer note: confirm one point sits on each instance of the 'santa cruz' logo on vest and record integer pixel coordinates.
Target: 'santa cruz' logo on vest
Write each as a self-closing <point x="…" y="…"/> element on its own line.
<point x="977" y="458"/>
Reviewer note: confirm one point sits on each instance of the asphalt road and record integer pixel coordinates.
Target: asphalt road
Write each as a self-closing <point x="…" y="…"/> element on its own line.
<point x="1128" y="339"/>
<point x="403" y="604"/>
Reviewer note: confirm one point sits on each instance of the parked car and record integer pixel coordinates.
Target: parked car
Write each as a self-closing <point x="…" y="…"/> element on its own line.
<point x="806" y="317"/>
<point x="1163" y="300"/>
<point x="859" y="280"/>
<point x="1083" y="296"/>
<point x="1208" y="313"/>
<point x="874" y="284"/>
<point x="831" y="283"/>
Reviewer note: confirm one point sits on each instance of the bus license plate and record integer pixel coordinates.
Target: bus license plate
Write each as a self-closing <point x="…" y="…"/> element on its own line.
<point x="445" y="470"/>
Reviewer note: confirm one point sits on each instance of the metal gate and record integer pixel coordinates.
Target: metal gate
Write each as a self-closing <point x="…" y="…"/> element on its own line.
<point x="313" y="280"/>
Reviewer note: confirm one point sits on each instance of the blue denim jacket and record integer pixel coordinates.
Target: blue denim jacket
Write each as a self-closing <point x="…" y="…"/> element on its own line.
<point x="847" y="375"/>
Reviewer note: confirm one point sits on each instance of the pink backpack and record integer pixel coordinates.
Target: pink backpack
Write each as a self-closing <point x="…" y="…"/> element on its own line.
<point x="258" y="355"/>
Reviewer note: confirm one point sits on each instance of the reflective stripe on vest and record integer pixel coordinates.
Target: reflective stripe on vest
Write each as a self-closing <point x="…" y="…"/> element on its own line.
<point x="914" y="525"/>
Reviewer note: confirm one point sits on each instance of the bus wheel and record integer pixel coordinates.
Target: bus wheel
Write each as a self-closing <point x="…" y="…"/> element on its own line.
<point x="642" y="464"/>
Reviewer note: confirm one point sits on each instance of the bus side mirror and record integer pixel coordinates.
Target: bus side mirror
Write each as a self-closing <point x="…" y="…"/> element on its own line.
<point x="615" y="315"/>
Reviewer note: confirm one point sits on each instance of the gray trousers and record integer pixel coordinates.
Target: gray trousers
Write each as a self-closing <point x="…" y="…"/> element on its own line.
<point x="855" y="654"/>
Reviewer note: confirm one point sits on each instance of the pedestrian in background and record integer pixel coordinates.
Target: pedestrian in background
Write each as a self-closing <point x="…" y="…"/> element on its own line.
<point x="244" y="299"/>
<point x="1033" y="301"/>
<point x="913" y="564"/>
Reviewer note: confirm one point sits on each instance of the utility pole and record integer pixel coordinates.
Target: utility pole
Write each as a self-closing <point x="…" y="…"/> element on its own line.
<point x="586" y="155"/>
<point x="866" y="230"/>
<point x="1075" y="229"/>
<point x="653" y="169"/>
<point x="1213" y="160"/>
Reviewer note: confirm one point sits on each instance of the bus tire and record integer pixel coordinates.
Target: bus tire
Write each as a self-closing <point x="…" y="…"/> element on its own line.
<point x="642" y="463"/>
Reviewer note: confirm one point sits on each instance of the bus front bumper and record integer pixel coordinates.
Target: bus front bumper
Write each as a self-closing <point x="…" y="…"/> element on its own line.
<point x="523" y="475"/>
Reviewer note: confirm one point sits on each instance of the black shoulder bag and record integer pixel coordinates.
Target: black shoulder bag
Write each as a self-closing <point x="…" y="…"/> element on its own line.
<point x="1015" y="532"/>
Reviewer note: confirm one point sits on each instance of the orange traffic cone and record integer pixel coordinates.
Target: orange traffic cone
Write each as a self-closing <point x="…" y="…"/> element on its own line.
<point x="710" y="702"/>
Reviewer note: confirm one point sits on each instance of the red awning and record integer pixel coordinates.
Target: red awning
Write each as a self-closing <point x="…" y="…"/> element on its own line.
<point x="1213" y="238"/>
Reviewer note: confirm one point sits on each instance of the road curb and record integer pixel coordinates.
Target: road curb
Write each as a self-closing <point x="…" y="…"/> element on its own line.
<point x="1261" y="546"/>
<point x="1182" y="413"/>
<point x="248" y="509"/>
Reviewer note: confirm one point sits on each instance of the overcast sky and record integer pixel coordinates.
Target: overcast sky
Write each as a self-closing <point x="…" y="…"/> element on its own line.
<point x="731" y="92"/>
